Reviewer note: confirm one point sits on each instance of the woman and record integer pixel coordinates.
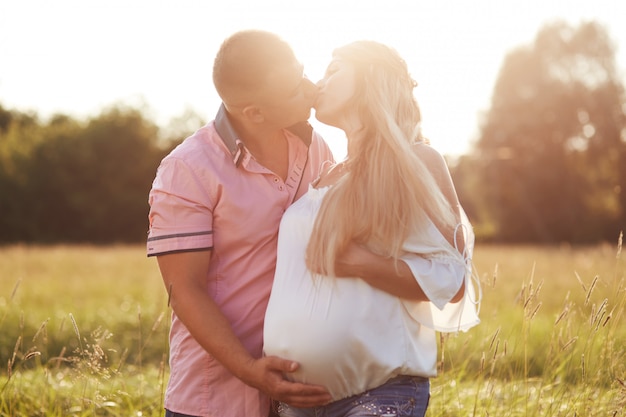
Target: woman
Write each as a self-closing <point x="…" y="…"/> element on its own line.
<point x="373" y="259"/>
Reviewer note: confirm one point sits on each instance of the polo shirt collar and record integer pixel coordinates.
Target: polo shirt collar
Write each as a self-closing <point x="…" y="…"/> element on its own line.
<point x="229" y="136"/>
<point x="227" y="133"/>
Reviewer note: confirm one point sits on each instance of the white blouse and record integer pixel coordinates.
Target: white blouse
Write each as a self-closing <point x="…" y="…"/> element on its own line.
<point x="349" y="336"/>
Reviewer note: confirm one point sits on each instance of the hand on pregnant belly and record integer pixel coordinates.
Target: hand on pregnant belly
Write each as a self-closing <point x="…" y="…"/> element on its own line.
<point x="266" y="374"/>
<point x="327" y="329"/>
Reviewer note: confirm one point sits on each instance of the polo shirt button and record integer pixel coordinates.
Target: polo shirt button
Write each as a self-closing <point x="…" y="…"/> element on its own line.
<point x="276" y="179"/>
<point x="281" y="188"/>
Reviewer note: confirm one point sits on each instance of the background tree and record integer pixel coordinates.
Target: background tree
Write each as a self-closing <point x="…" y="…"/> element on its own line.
<point x="20" y="133"/>
<point x="549" y="163"/>
<point x="72" y="181"/>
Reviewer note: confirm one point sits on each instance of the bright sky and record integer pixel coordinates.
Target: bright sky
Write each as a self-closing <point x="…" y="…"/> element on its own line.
<point x="78" y="56"/>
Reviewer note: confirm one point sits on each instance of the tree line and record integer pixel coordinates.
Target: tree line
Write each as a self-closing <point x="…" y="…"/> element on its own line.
<point x="73" y="181"/>
<point x="549" y="164"/>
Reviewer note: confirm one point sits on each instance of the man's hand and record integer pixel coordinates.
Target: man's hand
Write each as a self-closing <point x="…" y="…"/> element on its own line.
<point x="266" y="374"/>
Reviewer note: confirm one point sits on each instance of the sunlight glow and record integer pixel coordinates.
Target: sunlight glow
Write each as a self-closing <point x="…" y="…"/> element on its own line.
<point x="77" y="57"/>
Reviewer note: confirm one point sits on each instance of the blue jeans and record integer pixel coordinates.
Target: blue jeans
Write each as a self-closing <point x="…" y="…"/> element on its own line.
<point x="402" y="396"/>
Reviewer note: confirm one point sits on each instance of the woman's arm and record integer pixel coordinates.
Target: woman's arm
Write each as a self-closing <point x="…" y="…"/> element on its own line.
<point x="438" y="168"/>
<point x="400" y="278"/>
<point x="395" y="278"/>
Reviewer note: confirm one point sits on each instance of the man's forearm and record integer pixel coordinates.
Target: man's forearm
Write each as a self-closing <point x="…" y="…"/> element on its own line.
<point x="211" y="329"/>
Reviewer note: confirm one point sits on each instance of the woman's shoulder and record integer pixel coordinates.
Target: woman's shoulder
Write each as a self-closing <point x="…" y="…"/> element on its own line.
<point x="430" y="156"/>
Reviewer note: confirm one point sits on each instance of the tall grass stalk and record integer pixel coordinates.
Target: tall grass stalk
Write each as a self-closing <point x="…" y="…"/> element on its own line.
<point x="554" y="347"/>
<point x="552" y="341"/>
<point x="97" y="367"/>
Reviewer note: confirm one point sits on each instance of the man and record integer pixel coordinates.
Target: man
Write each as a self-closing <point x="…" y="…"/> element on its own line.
<point x="215" y="208"/>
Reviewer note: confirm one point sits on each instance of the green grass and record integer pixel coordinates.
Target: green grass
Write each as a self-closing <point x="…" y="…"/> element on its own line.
<point x="83" y="332"/>
<point x="552" y="341"/>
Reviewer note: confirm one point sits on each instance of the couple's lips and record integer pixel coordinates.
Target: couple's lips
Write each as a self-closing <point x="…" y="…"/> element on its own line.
<point x="316" y="101"/>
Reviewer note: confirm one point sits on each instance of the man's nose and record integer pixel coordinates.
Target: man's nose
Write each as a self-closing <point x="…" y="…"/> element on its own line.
<point x="310" y="88"/>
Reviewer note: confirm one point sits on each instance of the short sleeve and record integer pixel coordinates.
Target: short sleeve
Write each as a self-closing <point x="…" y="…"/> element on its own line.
<point x="452" y="317"/>
<point x="181" y="214"/>
<point x="440" y="278"/>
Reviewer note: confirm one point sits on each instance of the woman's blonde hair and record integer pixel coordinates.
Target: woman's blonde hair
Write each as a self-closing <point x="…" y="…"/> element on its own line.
<point x="387" y="192"/>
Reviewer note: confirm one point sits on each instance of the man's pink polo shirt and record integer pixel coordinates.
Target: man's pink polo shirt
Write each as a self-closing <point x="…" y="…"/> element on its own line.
<point x="210" y="193"/>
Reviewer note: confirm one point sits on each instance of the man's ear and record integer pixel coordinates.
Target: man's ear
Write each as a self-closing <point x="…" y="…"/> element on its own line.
<point x="253" y="113"/>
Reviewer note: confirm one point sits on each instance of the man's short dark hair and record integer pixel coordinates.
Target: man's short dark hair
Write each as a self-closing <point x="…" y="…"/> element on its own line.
<point x="245" y="60"/>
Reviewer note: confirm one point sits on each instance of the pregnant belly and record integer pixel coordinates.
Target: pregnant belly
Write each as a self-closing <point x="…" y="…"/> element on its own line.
<point x="340" y="343"/>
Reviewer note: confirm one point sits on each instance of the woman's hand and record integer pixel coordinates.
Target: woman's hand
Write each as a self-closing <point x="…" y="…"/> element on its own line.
<point x="351" y="261"/>
<point x="348" y="263"/>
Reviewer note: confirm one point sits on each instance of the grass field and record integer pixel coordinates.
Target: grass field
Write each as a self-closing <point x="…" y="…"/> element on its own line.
<point x="83" y="332"/>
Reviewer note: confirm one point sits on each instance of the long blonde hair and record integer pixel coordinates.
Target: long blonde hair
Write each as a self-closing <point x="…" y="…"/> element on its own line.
<point x="387" y="192"/>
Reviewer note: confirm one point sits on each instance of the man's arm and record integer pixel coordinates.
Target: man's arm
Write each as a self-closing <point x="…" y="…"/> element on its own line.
<point x="184" y="275"/>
